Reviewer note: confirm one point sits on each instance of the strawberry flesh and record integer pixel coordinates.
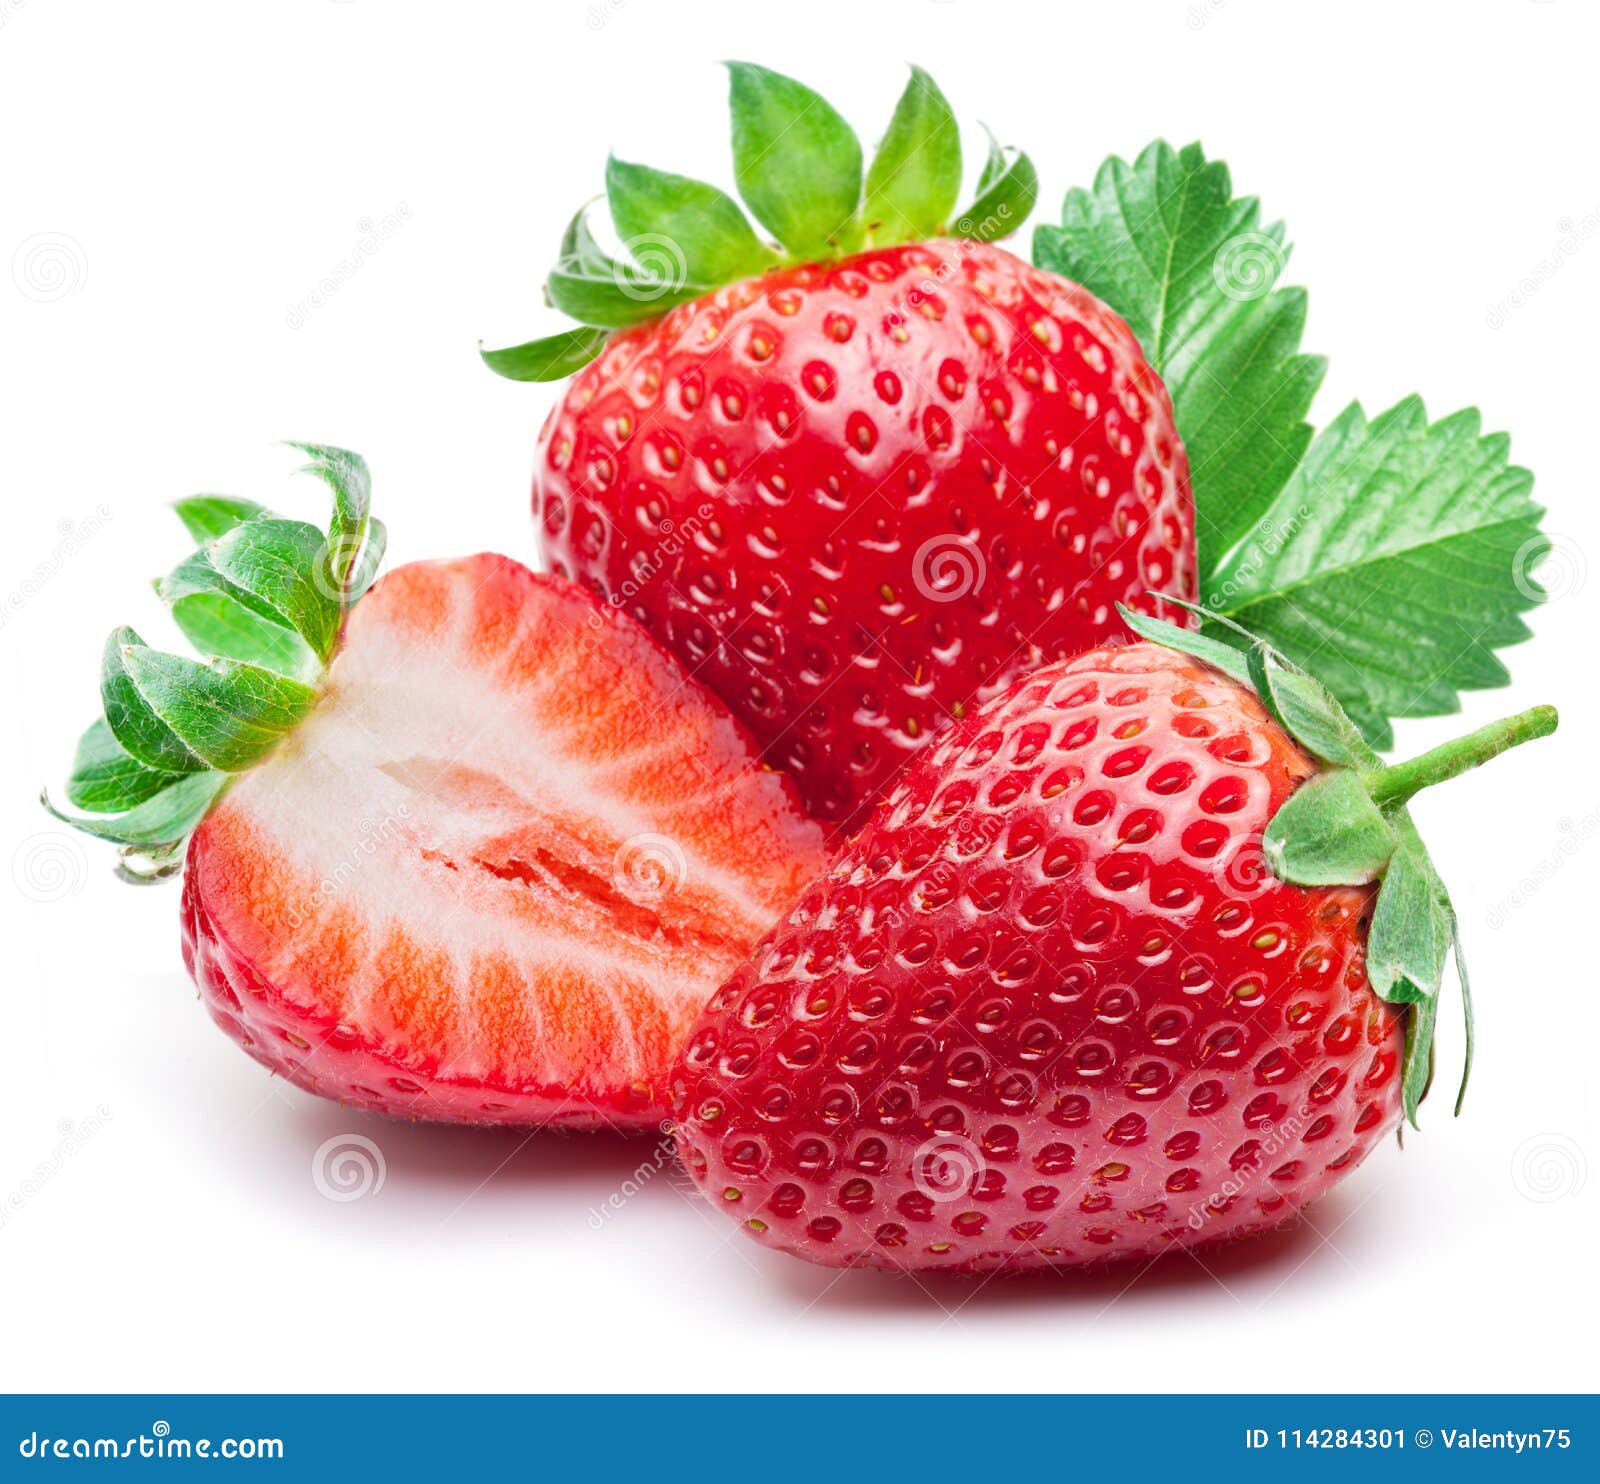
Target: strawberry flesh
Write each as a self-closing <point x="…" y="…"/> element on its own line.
<point x="497" y="871"/>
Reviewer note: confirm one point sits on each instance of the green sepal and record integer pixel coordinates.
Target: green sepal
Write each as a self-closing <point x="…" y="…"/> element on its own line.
<point x="221" y="619"/>
<point x="285" y="564"/>
<point x="220" y="627"/>
<point x="230" y="715"/>
<point x="347" y="476"/>
<point x="137" y="728"/>
<point x="1470" y="1047"/>
<point x="163" y="821"/>
<point x="205" y="517"/>
<point x="106" y="778"/>
<point x="371" y="558"/>
<point x="1307" y="710"/>
<point x="613" y="299"/>
<point x="1329" y="833"/>
<point x="797" y="163"/>
<point x="553" y="358"/>
<point x="264" y="598"/>
<point x="1008" y="190"/>
<point x="798" y="169"/>
<point x="1416" y="1062"/>
<point x="578" y="245"/>
<point x="915" y="175"/>
<point x="682" y="229"/>
<point x="1220" y="653"/>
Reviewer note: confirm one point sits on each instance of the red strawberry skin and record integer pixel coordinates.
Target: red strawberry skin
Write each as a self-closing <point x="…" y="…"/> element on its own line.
<point x="494" y="875"/>
<point x="1048" y="1008"/>
<point x="853" y="496"/>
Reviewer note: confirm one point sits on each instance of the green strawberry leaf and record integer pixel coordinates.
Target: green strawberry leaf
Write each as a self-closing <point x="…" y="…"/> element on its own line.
<point x="1008" y="190"/>
<point x="284" y="564"/>
<point x="552" y="358"/>
<point x="228" y="714"/>
<point x="1193" y="271"/>
<point x="686" y="232"/>
<point x="106" y="778"/>
<point x="915" y="176"/>
<point x="206" y="517"/>
<point x="129" y="716"/>
<point x="797" y="163"/>
<point x="1395" y="559"/>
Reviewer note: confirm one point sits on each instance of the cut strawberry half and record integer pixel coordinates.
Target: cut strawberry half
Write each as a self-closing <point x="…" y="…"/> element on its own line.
<point x="495" y="870"/>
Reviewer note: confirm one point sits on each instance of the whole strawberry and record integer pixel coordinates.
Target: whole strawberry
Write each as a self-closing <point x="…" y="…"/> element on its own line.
<point x="860" y="480"/>
<point x="1059" y="1001"/>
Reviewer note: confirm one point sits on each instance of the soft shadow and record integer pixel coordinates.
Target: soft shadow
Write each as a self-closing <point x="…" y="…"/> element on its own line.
<point x="454" y="1159"/>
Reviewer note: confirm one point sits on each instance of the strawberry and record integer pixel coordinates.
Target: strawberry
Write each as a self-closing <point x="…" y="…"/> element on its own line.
<point x="1109" y="974"/>
<point x="484" y="869"/>
<point x="859" y="481"/>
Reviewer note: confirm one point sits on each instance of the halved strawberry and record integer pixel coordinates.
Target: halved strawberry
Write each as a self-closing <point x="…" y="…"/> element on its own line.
<point x="497" y="867"/>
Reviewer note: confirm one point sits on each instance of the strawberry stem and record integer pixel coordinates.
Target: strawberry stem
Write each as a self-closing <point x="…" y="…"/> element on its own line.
<point x="1397" y="784"/>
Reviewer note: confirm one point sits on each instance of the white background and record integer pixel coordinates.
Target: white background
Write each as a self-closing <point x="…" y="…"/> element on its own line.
<point x="178" y="181"/>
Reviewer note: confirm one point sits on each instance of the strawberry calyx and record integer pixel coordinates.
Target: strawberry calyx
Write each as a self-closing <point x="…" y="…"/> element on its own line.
<point x="264" y="599"/>
<point x="1348" y="825"/>
<point x="800" y="171"/>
